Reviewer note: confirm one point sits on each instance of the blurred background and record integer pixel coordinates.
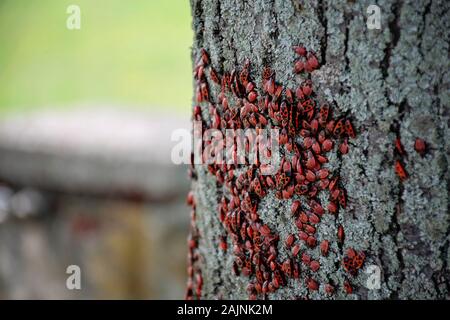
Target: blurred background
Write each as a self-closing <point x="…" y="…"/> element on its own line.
<point x="86" y="117"/>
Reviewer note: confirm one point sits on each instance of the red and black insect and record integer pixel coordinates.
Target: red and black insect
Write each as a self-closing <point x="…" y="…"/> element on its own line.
<point x="400" y="170"/>
<point x="329" y="289"/>
<point x="353" y="261"/>
<point x="311" y="62"/>
<point x="267" y="73"/>
<point x="312" y="284"/>
<point x="349" y="129"/>
<point x="420" y="146"/>
<point x="343" y="148"/>
<point x="341" y="234"/>
<point x="348" y="287"/>
<point x="339" y="128"/>
<point x="324" y="113"/>
<point x="324" y="247"/>
<point x="213" y="75"/>
<point x="300" y="50"/>
<point x="204" y="57"/>
<point x="399" y="147"/>
<point x="299" y="66"/>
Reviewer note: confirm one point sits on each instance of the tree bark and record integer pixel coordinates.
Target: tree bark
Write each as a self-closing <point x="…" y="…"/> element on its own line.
<point x="392" y="83"/>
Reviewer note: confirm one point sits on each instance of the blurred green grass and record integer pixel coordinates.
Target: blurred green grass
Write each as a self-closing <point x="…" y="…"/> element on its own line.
<point x="131" y="53"/>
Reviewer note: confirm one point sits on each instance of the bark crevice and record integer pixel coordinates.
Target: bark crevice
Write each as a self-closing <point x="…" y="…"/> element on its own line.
<point x="394" y="29"/>
<point x="321" y="13"/>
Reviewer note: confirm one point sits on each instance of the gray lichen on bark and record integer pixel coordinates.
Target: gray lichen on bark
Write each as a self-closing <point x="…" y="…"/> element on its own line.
<point x="392" y="82"/>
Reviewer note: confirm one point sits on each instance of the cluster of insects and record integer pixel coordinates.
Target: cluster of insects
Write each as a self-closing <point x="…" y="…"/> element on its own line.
<point x="195" y="279"/>
<point x="419" y="146"/>
<point x="308" y="132"/>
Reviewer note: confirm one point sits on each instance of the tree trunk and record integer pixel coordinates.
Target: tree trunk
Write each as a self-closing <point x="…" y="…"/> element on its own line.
<point x="392" y="83"/>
